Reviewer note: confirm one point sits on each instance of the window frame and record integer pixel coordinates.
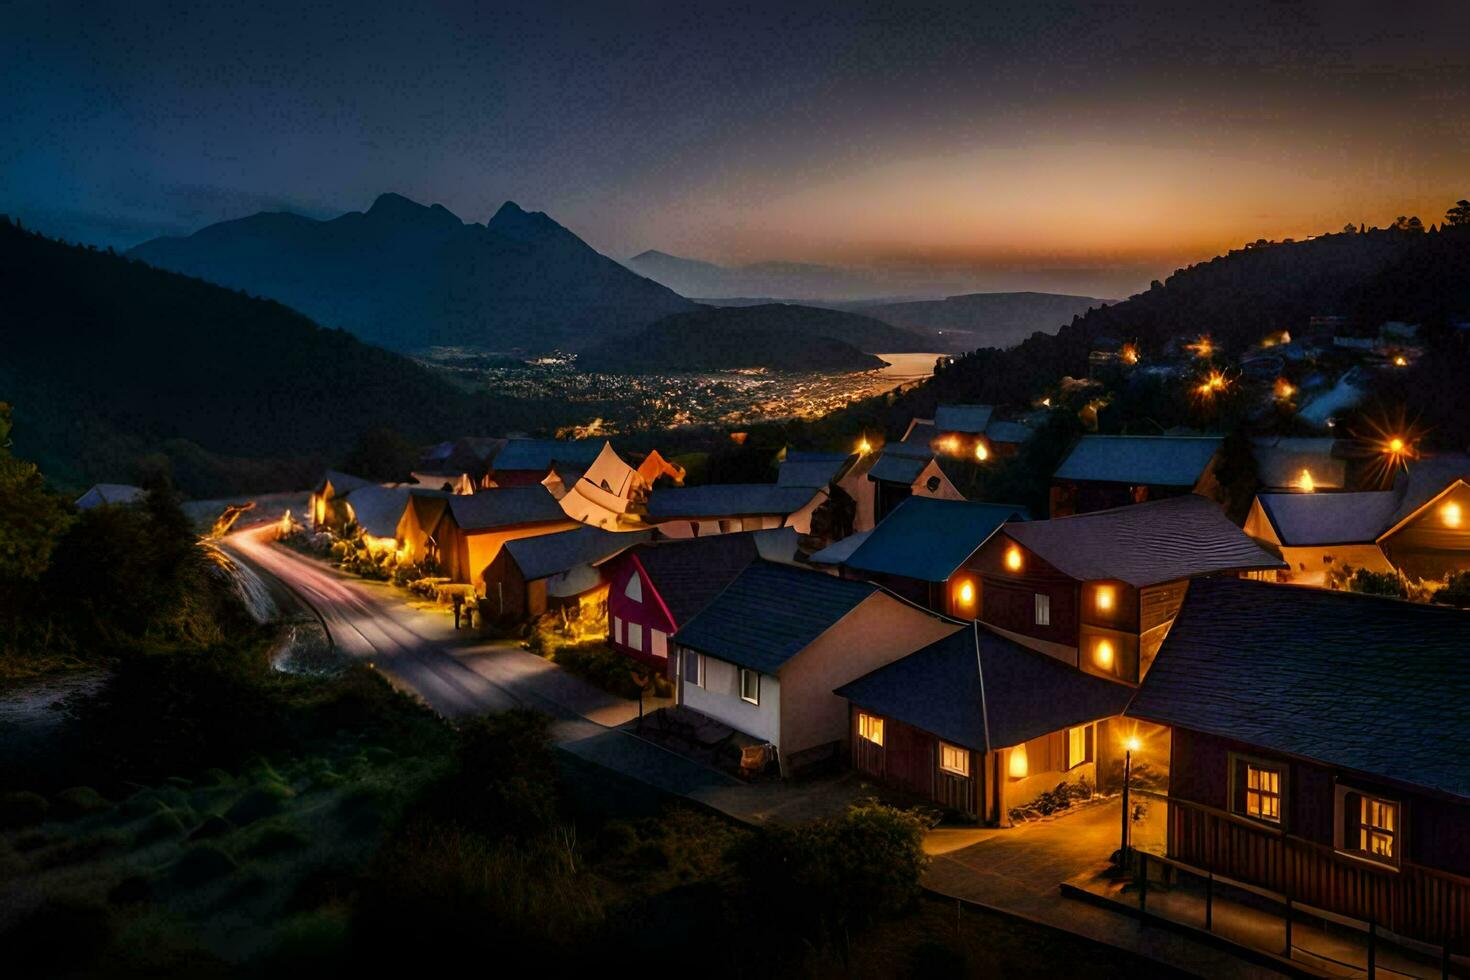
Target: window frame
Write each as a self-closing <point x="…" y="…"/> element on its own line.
<point x="693" y="666"/>
<point x="1353" y="849"/>
<point x="744" y="671"/>
<point x="867" y="724"/>
<point x="1240" y="766"/>
<point x="631" y="626"/>
<point x="658" y="643"/>
<point x="962" y="771"/>
<point x="1086" y="757"/>
<point x="1041" y="608"/>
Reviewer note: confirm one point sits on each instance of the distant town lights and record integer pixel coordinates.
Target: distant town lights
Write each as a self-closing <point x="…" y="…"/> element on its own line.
<point x="1400" y="361"/>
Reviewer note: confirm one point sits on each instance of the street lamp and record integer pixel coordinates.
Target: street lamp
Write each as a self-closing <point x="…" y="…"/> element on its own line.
<point x="1130" y="746"/>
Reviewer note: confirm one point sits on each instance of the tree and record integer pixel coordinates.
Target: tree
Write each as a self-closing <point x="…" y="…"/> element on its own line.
<point x="382" y="454"/>
<point x="1459" y="215"/>
<point x="32" y="519"/>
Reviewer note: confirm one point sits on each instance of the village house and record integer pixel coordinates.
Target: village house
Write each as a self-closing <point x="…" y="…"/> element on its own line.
<point x="521" y="462"/>
<point x="1109" y="471"/>
<point x="980" y="725"/>
<point x="909" y="468"/>
<point x="416" y="526"/>
<point x="449" y="482"/>
<point x="765" y="655"/>
<point x="1100" y="590"/>
<point x="471" y="456"/>
<point x="329" y="499"/>
<point x="1421" y="527"/>
<point x="1297" y="463"/>
<point x="110" y="495"/>
<point x="974" y="431"/>
<point x="720" y="508"/>
<point x="377" y="512"/>
<point x="1318" y="746"/>
<point x="532" y="575"/>
<point x="471" y="530"/>
<point x="607" y="494"/>
<point x="657" y="587"/>
<point x="924" y="551"/>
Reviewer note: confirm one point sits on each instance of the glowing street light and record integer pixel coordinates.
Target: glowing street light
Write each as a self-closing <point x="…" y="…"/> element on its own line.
<point x="1400" y="361"/>
<point x="864" y="447"/>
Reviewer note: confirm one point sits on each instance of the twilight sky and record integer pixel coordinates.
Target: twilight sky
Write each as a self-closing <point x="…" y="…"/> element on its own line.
<point x="1083" y="146"/>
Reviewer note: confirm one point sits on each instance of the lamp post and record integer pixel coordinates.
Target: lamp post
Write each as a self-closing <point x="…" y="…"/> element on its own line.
<point x="1130" y="745"/>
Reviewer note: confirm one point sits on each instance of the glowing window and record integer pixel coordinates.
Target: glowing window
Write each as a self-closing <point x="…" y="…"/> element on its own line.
<point x="1451" y="514"/>
<point x="1043" y="609"/>
<point x="967" y="593"/>
<point x="1102" y="654"/>
<point x="659" y="643"/>
<point x="1013" y="558"/>
<point x="870" y="728"/>
<point x="1076" y="746"/>
<point x="1262" y="793"/>
<point x="1017" y="767"/>
<point x="1378" y="827"/>
<point x="954" y="760"/>
<point x="1105" y="598"/>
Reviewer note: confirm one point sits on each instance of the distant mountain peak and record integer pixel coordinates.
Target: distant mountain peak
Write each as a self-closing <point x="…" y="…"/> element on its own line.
<point x="396" y="207"/>
<point x="514" y="222"/>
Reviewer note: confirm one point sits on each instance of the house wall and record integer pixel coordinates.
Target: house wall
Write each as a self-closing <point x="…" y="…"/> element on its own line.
<point x="1007" y="598"/>
<point x="1429" y="547"/>
<point x="857" y="486"/>
<point x="879" y="631"/>
<point x="649" y="613"/>
<point x="908" y="760"/>
<point x="466" y="556"/>
<point x="945" y="489"/>
<point x="506" y="589"/>
<point x="1046" y="767"/>
<point x="412" y="532"/>
<point x="718" y="697"/>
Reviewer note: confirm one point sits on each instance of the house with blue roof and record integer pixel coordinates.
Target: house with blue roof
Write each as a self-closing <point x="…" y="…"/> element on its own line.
<point x="976" y="431"/>
<point x="722" y="508"/>
<point x="980" y="724"/>
<point x="765" y="655"/>
<point x="925" y="551"/>
<point x="906" y="468"/>
<point x="525" y="461"/>
<point x="1103" y="471"/>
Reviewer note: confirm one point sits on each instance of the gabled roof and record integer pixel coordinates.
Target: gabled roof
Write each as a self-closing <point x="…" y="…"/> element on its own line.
<point x="110" y="493"/>
<point x="1163" y="461"/>
<point x="1360" y="682"/>
<point x="1144" y="544"/>
<point x="548" y="554"/>
<point x="839" y="551"/>
<point x="1425" y="480"/>
<point x="985" y="692"/>
<point x="1303" y="519"/>
<point x="901" y="463"/>
<point x="1000" y="430"/>
<point x="503" y="507"/>
<point x="969" y="419"/>
<point x="377" y="510"/>
<point x="770" y="613"/>
<point x="929" y="539"/>
<point x="539" y="454"/>
<point x="1281" y="460"/>
<point x="815" y="470"/>
<point x="728" y="500"/>
<point x="341" y="483"/>
<point x="688" y="572"/>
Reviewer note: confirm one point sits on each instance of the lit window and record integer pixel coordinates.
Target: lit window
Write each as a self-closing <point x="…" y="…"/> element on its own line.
<point x="967" y="593"/>
<point x="1105" y="597"/>
<point x="1043" y="610"/>
<point x="1076" y="746"/>
<point x="1378" y="827"/>
<point x="750" y="686"/>
<point x="1013" y="558"/>
<point x="635" y="636"/>
<point x="870" y="728"/>
<point x="693" y="668"/>
<point x="617" y="629"/>
<point x="1451" y="514"/>
<point x="1018" y="767"/>
<point x="660" y="643"/>
<point x="634" y="588"/>
<point x="1262" y="793"/>
<point x="1102" y="654"/>
<point x="953" y="759"/>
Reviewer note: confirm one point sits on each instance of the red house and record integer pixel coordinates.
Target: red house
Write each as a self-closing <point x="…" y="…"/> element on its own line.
<point x="655" y="588"/>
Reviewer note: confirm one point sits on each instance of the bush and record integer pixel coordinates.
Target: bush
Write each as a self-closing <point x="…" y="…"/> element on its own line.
<point x="505" y="776"/>
<point x="597" y="662"/>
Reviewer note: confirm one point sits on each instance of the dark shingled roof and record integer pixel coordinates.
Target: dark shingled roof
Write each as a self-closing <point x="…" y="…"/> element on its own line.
<point x="927" y="539"/>
<point x="1145" y="544"/>
<point x="1164" y="461"/>
<point x="985" y="692"/>
<point x="900" y="462"/>
<point x="1328" y="518"/>
<point x="687" y="573"/>
<point x="969" y="419"/>
<point x="728" y="500"/>
<point x="549" y="554"/>
<point x="1359" y="682"/>
<point x="539" y="454"/>
<point x="814" y="470"/>
<point x="770" y="613"/>
<point x="1281" y="459"/>
<point x="378" y="510"/>
<point x="505" y="506"/>
<point x="341" y="482"/>
<point x="1425" y="480"/>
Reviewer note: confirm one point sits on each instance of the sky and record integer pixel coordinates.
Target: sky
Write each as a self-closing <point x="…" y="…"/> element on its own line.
<point x="1086" y="147"/>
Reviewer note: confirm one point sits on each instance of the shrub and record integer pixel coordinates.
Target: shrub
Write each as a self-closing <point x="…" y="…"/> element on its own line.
<point x="597" y="662"/>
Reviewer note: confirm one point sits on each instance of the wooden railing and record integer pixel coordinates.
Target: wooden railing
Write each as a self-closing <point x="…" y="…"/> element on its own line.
<point x="1412" y="900"/>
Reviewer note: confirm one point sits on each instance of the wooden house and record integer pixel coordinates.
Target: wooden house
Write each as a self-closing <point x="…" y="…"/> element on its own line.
<point x="377" y="511"/>
<point x="550" y="571"/>
<point x="909" y="468"/>
<point x="1318" y="746"/>
<point x="720" y="508"/>
<point x="1290" y="463"/>
<point x="472" y="529"/>
<point x="328" y="499"/>
<point x="1099" y="590"/>
<point x="110" y="495"/>
<point x="472" y="456"/>
<point x="522" y="462"/>
<point x="925" y="551"/>
<point x="416" y="527"/>
<point x="1101" y="472"/>
<point x="974" y="431"/>
<point x="657" y="587"/>
<point x="608" y="493"/>
<point x="765" y="655"/>
<point x="979" y="724"/>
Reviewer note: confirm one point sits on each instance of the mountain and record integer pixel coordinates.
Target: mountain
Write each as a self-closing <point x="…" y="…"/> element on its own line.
<point x="779" y="280"/>
<point x="982" y="319"/>
<point x="776" y="336"/>
<point x="109" y="362"/>
<point x="408" y="277"/>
